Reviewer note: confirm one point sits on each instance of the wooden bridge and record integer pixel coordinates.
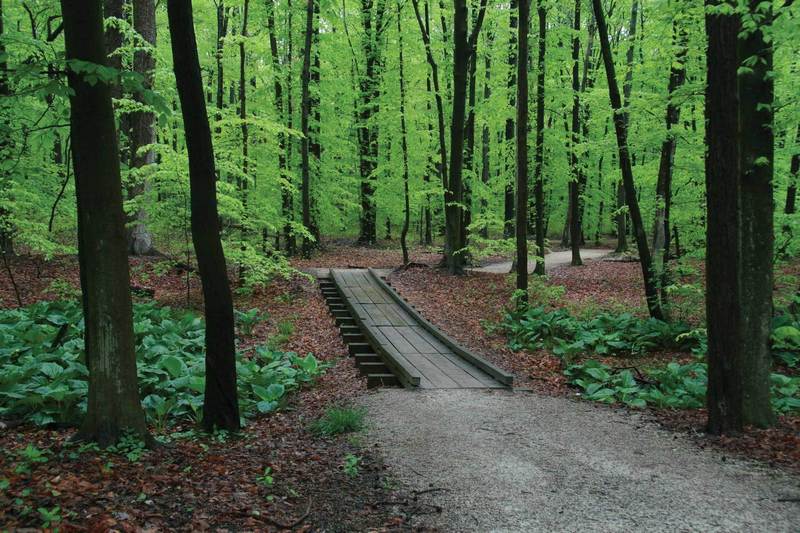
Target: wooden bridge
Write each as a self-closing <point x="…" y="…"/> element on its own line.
<point x="393" y="344"/>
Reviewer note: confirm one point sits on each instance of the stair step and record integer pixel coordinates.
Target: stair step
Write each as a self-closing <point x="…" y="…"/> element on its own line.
<point x="340" y="313"/>
<point x="362" y="358"/>
<point x="372" y="368"/>
<point x="334" y="300"/>
<point x="345" y="321"/>
<point x="353" y="338"/>
<point x="359" y="347"/>
<point x="382" y="380"/>
<point x="348" y="329"/>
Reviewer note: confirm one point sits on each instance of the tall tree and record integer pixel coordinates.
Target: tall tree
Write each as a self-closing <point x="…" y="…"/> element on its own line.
<point x="243" y="96"/>
<point x="455" y="233"/>
<point x="143" y="126"/>
<point x="305" y="117"/>
<point x="740" y="210"/>
<point x="541" y="12"/>
<point x="485" y="133"/>
<point x="621" y="129"/>
<point x="508" y="199"/>
<point x="403" y="138"/>
<point x="522" y="148"/>
<point x="575" y="182"/>
<point x="661" y="231"/>
<point x="373" y="27"/>
<point x="221" y="406"/>
<point x="113" y="404"/>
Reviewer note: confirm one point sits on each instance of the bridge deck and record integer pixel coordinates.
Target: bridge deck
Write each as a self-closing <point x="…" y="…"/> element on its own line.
<point x="419" y="355"/>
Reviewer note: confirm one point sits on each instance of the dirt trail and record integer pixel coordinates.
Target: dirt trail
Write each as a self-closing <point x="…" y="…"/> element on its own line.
<point x="503" y="461"/>
<point x="551" y="260"/>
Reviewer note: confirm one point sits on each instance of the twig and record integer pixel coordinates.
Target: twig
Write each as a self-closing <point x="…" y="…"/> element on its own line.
<point x="11" y="276"/>
<point x="293" y="524"/>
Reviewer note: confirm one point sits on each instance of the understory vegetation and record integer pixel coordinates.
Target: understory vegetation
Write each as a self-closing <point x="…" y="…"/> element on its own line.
<point x="43" y="369"/>
<point x="578" y="341"/>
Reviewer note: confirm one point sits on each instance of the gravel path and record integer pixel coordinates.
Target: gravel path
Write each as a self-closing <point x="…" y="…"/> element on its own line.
<point x="503" y="461"/>
<point x="551" y="260"/>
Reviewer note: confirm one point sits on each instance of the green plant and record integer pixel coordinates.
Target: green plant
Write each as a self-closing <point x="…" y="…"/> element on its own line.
<point x="678" y="386"/>
<point x="285" y="331"/>
<point x="266" y="478"/>
<point x="534" y="327"/>
<point x="350" y="465"/>
<point x="49" y="516"/>
<point x="43" y="372"/>
<point x="29" y="456"/>
<point x="338" y="420"/>
<point x="247" y="320"/>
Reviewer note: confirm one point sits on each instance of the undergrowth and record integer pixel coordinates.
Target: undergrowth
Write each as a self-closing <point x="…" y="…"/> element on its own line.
<point x="43" y="371"/>
<point x="676" y="385"/>
<point x="339" y="420"/>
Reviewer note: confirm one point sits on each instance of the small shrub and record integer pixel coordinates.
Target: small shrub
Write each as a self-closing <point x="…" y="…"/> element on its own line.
<point x="338" y="420"/>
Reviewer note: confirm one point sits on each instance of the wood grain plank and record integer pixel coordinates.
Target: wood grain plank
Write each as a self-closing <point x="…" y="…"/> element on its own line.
<point x="438" y="379"/>
<point x="416" y="340"/>
<point x="398" y="341"/>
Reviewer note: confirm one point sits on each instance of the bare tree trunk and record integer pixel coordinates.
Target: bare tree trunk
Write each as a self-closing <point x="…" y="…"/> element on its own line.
<point x="508" y="199"/>
<point x="620" y="126"/>
<point x="113" y="403"/>
<point x="485" y="134"/>
<point x="539" y="155"/>
<point x="661" y="233"/>
<point x="575" y="182"/>
<point x="221" y="407"/>
<point x="305" y="112"/>
<point x="404" y="140"/>
<point x="143" y="128"/>
<point x="794" y="173"/>
<point x="522" y="149"/>
<point x="740" y="227"/>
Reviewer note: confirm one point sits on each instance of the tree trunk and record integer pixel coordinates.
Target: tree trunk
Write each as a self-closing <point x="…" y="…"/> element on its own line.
<point x="620" y="126"/>
<point x="485" y="134"/>
<point x="539" y="156"/>
<point x="740" y="233"/>
<point x="305" y="113"/>
<point x="575" y="182"/>
<point x="113" y="403"/>
<point x="143" y="129"/>
<point x="368" y="131"/>
<point x="6" y="229"/>
<point x="469" y="133"/>
<point x="404" y="140"/>
<point x="221" y="407"/>
<point x="661" y="233"/>
<point x="794" y="173"/>
<point x="243" y="102"/>
<point x="522" y="149"/>
<point x="288" y="201"/>
<point x="508" y="199"/>
<point x="285" y="177"/>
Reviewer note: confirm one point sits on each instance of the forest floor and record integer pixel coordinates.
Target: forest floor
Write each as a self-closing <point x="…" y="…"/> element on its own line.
<point x="601" y="455"/>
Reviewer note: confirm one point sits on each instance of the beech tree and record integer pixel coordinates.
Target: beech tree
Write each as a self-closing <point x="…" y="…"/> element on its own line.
<point x="522" y="149"/>
<point x="739" y="247"/>
<point x="220" y="407"/>
<point x="113" y="404"/>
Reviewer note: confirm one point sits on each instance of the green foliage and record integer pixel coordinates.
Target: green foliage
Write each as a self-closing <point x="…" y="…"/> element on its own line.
<point x="247" y="320"/>
<point x="534" y="327"/>
<point x="351" y="465"/>
<point x="677" y="386"/>
<point x="43" y="372"/>
<point x="339" y="420"/>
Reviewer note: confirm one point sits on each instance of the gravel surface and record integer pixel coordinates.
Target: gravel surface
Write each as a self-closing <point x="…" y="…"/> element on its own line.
<point x="503" y="461"/>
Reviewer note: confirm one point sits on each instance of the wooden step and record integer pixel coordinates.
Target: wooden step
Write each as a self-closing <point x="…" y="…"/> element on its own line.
<point x="382" y="380"/>
<point x="340" y="313"/>
<point x="362" y="358"/>
<point x="334" y="300"/>
<point x="359" y="347"/>
<point x="353" y="338"/>
<point x="373" y="368"/>
<point x="345" y="320"/>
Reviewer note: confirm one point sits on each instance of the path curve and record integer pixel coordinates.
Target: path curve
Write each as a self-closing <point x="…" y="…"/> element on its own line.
<point x="551" y="260"/>
<point x="503" y="461"/>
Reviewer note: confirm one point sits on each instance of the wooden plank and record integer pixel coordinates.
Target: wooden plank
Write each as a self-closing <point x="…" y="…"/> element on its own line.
<point x="473" y="371"/>
<point x="376" y="315"/>
<point x="425" y="367"/>
<point x="430" y="339"/>
<point x="455" y="372"/>
<point x="416" y="340"/>
<point x="398" y="341"/>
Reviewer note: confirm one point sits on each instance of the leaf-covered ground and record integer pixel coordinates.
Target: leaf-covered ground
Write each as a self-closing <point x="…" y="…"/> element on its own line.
<point x="200" y="482"/>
